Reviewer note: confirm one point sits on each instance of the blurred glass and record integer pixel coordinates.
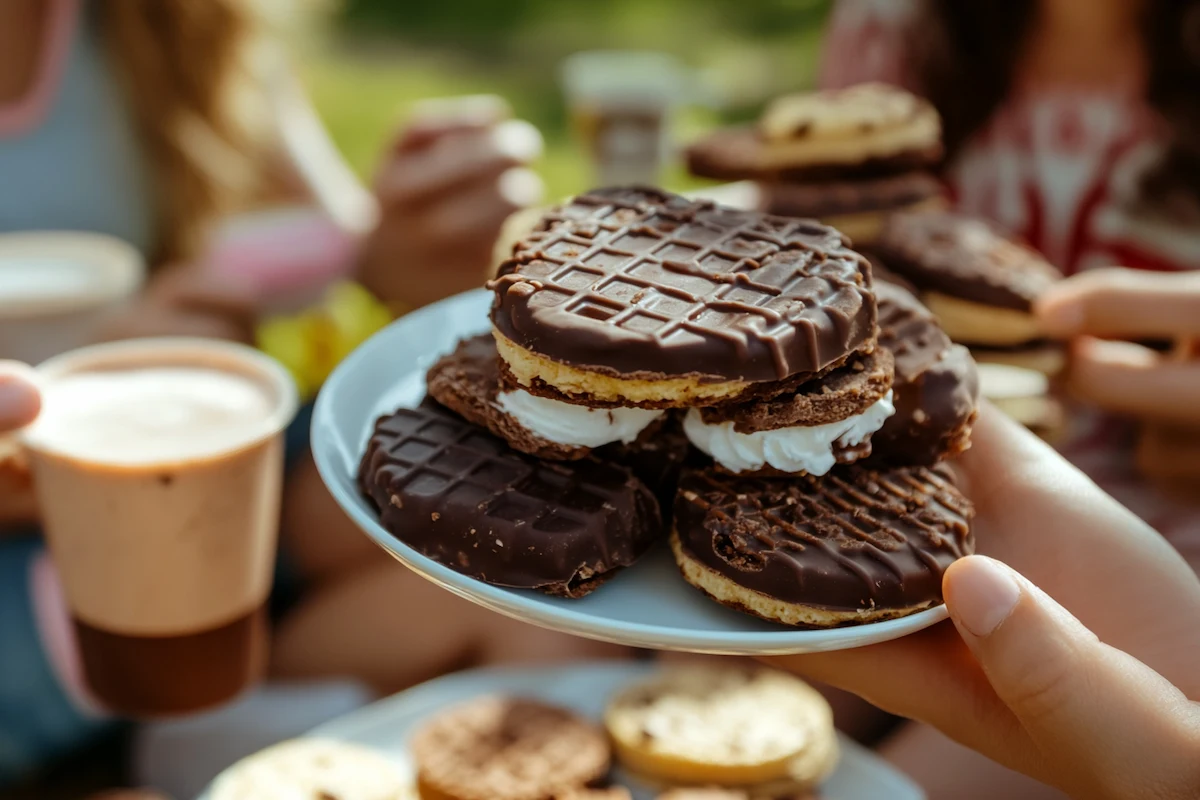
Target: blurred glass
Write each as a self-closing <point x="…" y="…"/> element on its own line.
<point x="620" y="107"/>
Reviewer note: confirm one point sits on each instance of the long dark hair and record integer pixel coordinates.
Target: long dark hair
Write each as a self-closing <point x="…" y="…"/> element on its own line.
<point x="965" y="56"/>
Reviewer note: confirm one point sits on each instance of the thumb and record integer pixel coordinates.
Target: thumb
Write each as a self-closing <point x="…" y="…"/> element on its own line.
<point x="1112" y="726"/>
<point x="20" y="400"/>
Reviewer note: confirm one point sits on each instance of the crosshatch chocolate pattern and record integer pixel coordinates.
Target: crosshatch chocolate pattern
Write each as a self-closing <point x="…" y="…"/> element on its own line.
<point x="643" y="283"/>
<point x="462" y="497"/>
<point x="855" y="538"/>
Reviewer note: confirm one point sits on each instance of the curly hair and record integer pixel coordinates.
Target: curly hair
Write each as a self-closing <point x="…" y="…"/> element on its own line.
<point x="966" y="56"/>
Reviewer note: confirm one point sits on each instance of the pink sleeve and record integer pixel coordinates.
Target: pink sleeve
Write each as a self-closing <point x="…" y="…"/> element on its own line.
<point x="865" y="42"/>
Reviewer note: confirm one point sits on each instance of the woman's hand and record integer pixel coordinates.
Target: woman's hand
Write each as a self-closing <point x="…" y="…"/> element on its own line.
<point x="1133" y="305"/>
<point x="454" y="175"/>
<point x="190" y="300"/>
<point x="1022" y="679"/>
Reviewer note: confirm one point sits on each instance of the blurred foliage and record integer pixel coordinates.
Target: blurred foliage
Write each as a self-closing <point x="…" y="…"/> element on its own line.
<point x="380" y="56"/>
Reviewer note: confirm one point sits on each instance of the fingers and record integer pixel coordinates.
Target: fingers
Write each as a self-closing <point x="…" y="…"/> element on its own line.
<point x="1122" y="302"/>
<point x="437" y="117"/>
<point x="1110" y="724"/>
<point x="930" y="677"/>
<point x="1130" y="379"/>
<point x="457" y="161"/>
<point x="20" y="400"/>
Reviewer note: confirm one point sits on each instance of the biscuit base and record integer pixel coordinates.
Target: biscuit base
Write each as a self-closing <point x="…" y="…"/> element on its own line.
<point x="968" y="322"/>
<point x="864" y="227"/>
<point x="729" y="593"/>
<point x="1049" y="360"/>
<point x="915" y="134"/>
<point x="581" y="385"/>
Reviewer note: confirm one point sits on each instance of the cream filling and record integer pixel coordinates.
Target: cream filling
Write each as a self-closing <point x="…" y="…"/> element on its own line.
<point x="572" y="425"/>
<point x="808" y="449"/>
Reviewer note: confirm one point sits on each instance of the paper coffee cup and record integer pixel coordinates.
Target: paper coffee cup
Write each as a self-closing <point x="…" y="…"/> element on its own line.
<point x="158" y="468"/>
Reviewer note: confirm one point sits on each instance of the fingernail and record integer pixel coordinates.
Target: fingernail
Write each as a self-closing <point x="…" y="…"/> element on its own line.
<point x="1060" y="316"/>
<point x="518" y="140"/>
<point x="521" y="187"/>
<point x="982" y="594"/>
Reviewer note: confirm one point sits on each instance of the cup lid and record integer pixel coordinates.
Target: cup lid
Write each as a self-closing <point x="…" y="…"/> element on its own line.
<point x="60" y="271"/>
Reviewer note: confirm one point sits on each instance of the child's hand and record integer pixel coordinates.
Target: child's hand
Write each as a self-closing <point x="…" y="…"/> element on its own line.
<point x="453" y="176"/>
<point x="1127" y="304"/>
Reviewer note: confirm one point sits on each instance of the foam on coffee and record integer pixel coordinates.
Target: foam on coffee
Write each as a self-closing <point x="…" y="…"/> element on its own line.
<point x="153" y="415"/>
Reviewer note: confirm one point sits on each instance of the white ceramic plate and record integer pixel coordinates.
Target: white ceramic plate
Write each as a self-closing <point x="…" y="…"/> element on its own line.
<point x="648" y="605"/>
<point x="388" y="724"/>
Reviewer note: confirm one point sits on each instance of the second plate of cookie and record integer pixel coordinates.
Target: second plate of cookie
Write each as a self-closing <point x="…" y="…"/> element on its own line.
<point x="648" y="605"/>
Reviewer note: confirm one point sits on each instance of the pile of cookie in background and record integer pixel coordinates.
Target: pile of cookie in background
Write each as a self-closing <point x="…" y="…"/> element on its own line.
<point x="668" y="370"/>
<point x="861" y="160"/>
<point x="699" y="732"/>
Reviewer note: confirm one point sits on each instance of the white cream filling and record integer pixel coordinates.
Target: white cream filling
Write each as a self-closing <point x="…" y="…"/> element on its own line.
<point x="799" y="449"/>
<point x="575" y="426"/>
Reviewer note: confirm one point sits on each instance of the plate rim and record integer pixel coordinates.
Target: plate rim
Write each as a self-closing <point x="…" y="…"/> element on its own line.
<point x="504" y="601"/>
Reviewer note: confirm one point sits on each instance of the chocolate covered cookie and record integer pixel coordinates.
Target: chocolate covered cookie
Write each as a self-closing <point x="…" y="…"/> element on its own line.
<point x="855" y="546"/>
<point x="502" y="748"/>
<point x="462" y="497"/>
<point x="860" y="132"/>
<point x="979" y="284"/>
<point x="637" y="297"/>
<point x="935" y="388"/>
<point x="469" y="382"/>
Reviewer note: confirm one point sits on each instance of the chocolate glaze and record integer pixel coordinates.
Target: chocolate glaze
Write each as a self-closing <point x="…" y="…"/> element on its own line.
<point x="854" y="539"/>
<point x="831" y="198"/>
<point x="459" y="495"/>
<point x="641" y="283"/>
<point x="964" y="257"/>
<point x="845" y="392"/>
<point x="936" y="386"/>
<point x="467" y="382"/>
<point x="735" y="154"/>
<point x="656" y="460"/>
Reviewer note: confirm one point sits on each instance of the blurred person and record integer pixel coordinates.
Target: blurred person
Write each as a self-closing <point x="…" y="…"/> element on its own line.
<point x="1072" y="124"/>
<point x="156" y="121"/>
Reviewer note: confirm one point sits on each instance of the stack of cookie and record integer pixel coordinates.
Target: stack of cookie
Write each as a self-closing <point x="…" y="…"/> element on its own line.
<point x="847" y="157"/>
<point x="628" y="314"/>
<point x="982" y="286"/>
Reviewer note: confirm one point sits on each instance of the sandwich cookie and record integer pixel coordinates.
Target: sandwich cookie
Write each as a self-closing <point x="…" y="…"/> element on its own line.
<point x="935" y="388"/>
<point x="1024" y="395"/>
<point x="869" y="130"/>
<point x="759" y="731"/>
<point x="506" y="748"/>
<point x="458" y="495"/>
<point x="640" y="298"/>
<point x="980" y="285"/>
<point x="824" y="422"/>
<point x="856" y="208"/>
<point x="469" y="382"/>
<point x="855" y="546"/>
<point x="315" y="768"/>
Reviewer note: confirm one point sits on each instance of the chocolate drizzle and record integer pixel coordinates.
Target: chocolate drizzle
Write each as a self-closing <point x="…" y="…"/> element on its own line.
<point x="854" y="539"/>
<point x="643" y="283"/>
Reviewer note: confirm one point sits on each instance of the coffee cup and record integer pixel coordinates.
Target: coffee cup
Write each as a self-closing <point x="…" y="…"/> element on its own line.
<point x="158" y="469"/>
